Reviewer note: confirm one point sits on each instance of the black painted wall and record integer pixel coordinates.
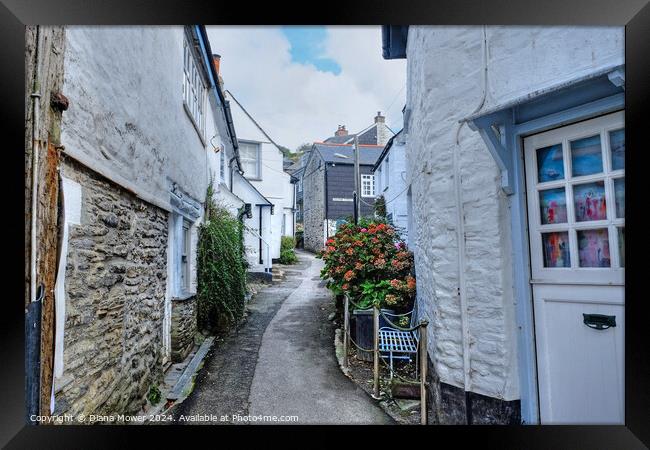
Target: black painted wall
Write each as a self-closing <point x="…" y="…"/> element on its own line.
<point x="340" y="184"/>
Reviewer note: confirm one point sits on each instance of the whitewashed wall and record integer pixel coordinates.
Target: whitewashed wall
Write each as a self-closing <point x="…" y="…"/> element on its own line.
<point x="126" y="110"/>
<point x="274" y="183"/>
<point x="395" y="190"/>
<point x="444" y="85"/>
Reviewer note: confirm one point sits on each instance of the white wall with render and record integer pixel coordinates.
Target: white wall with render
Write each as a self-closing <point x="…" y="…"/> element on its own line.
<point x="126" y="118"/>
<point x="252" y="231"/>
<point x="390" y="181"/>
<point x="445" y="84"/>
<point x="274" y="183"/>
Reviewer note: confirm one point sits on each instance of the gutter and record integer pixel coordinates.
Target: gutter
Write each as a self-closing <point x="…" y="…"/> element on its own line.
<point x="214" y="77"/>
<point x="384" y="152"/>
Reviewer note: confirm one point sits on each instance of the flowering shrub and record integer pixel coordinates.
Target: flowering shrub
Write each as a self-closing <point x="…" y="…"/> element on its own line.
<point x="371" y="264"/>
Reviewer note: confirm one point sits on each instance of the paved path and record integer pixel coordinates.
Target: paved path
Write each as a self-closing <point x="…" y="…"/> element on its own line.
<point x="281" y="362"/>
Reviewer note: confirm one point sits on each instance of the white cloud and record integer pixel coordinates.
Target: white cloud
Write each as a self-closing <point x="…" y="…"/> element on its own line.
<point x="296" y="103"/>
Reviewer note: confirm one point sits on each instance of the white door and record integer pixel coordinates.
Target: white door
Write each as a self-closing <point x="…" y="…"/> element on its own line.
<point x="575" y="179"/>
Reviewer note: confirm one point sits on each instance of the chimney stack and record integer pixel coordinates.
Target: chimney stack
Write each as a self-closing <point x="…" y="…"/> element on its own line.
<point x="216" y="62"/>
<point x="383" y="133"/>
<point x="341" y="131"/>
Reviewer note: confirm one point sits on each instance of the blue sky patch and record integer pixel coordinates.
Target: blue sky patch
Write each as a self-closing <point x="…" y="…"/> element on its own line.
<point x="308" y="46"/>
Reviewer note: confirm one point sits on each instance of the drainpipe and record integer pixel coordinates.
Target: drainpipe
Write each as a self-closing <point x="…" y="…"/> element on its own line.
<point x="460" y="237"/>
<point x="36" y="96"/>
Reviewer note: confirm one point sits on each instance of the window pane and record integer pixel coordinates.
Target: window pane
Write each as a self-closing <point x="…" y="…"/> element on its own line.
<point x="586" y="156"/>
<point x="617" y="147"/>
<point x="589" y="201"/>
<point x="621" y="245"/>
<point x="552" y="206"/>
<point x="593" y="248"/>
<point x="550" y="164"/>
<point x="619" y="194"/>
<point x="556" y="249"/>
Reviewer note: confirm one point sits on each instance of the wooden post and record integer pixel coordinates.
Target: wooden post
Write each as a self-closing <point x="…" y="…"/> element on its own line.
<point x="423" y="372"/>
<point x="375" y="317"/>
<point x="346" y="330"/>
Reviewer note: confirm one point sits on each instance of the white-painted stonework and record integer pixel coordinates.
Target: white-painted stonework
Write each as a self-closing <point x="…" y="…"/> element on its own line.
<point x="472" y="342"/>
<point x="390" y="181"/>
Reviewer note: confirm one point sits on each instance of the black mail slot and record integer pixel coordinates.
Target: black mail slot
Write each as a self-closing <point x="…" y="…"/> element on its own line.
<point x="599" y="321"/>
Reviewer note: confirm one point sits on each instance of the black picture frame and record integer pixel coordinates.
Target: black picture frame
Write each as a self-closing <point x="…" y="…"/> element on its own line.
<point x="633" y="14"/>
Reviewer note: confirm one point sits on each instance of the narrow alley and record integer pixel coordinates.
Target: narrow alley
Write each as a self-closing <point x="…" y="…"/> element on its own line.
<point x="281" y="362"/>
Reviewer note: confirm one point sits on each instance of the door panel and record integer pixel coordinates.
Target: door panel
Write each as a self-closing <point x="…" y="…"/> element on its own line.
<point x="581" y="369"/>
<point x="575" y="191"/>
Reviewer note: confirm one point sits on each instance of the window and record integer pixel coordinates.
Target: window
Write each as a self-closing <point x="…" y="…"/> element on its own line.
<point x="249" y="155"/>
<point x="367" y="185"/>
<point x="222" y="164"/>
<point x="386" y="171"/>
<point x="193" y="89"/>
<point x="185" y="256"/>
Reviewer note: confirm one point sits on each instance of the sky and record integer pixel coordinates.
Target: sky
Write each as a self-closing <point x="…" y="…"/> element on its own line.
<point x="300" y="83"/>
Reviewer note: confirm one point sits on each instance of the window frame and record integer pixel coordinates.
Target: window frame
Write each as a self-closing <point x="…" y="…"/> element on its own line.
<point x="364" y="178"/>
<point x="258" y="160"/>
<point x="194" y="97"/>
<point x="222" y="165"/>
<point x="386" y="172"/>
<point x="184" y="256"/>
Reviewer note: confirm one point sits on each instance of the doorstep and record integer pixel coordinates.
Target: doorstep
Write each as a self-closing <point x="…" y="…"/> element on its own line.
<point x="178" y="378"/>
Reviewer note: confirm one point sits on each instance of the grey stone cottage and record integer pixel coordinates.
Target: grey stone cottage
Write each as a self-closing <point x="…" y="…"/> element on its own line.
<point x="128" y="125"/>
<point x="327" y="180"/>
<point x="515" y="151"/>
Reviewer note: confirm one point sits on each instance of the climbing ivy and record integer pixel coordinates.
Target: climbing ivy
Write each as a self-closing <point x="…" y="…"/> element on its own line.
<point x="221" y="268"/>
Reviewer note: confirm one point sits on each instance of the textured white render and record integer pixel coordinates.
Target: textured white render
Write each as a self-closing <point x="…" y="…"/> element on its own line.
<point x="126" y="118"/>
<point x="445" y="85"/>
<point x="395" y="191"/>
<point x="274" y="183"/>
<point x="252" y="231"/>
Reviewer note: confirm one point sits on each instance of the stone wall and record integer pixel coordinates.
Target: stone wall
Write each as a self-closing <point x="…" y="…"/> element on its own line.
<point x="520" y="61"/>
<point x="115" y="293"/>
<point x="183" y="327"/>
<point x="314" y="203"/>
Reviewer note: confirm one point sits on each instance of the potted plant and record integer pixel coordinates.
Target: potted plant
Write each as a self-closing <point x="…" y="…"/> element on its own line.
<point x="371" y="264"/>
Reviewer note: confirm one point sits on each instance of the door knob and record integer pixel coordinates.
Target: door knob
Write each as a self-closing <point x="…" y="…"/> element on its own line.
<point x="599" y="321"/>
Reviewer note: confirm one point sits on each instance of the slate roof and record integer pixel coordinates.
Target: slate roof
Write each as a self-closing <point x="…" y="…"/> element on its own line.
<point x="339" y="139"/>
<point x="368" y="154"/>
<point x="367" y="136"/>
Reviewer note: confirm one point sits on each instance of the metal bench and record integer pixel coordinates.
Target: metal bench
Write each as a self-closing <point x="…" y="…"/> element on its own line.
<point x="395" y="343"/>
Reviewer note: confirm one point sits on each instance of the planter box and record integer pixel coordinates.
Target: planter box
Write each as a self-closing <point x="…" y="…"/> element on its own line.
<point x="363" y="330"/>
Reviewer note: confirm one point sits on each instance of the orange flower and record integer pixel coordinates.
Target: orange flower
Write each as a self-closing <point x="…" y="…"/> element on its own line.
<point x="348" y="275"/>
<point x="410" y="283"/>
<point x="349" y="251"/>
<point x="345" y="287"/>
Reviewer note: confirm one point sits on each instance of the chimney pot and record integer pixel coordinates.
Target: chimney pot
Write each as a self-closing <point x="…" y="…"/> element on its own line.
<point x="341" y="131"/>
<point x="380" y="118"/>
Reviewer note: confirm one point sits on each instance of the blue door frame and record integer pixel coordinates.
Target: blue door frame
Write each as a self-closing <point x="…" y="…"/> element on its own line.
<point x="503" y="130"/>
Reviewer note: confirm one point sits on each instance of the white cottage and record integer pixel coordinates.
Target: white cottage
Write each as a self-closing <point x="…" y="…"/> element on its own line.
<point x="390" y="183"/>
<point x="265" y="185"/>
<point x="516" y="166"/>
